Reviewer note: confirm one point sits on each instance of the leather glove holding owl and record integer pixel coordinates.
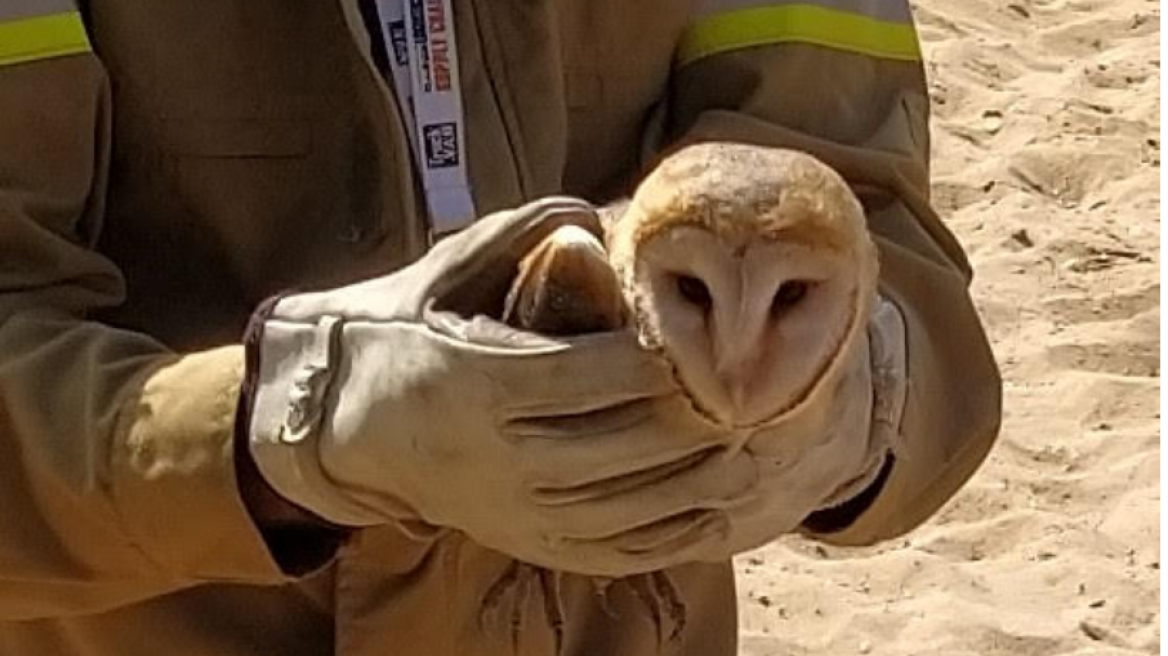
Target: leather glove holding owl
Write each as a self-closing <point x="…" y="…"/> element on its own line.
<point x="399" y="400"/>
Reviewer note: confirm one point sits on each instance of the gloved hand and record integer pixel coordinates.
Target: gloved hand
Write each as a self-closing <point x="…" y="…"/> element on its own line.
<point x="397" y="400"/>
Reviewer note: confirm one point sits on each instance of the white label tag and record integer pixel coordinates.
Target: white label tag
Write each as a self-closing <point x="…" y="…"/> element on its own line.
<point x="423" y="59"/>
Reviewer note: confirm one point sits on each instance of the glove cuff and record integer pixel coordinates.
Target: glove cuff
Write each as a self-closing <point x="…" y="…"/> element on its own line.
<point x="290" y="366"/>
<point x="888" y="341"/>
<point x="889" y="369"/>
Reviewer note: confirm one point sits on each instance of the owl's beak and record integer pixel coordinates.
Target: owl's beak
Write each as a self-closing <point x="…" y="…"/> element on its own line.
<point x="739" y="341"/>
<point x="736" y="379"/>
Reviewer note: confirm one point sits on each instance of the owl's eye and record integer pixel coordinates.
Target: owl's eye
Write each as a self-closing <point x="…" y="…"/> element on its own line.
<point x="695" y="292"/>
<point x="789" y="294"/>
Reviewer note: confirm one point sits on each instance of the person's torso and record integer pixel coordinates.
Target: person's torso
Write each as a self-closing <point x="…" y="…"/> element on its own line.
<point x="257" y="149"/>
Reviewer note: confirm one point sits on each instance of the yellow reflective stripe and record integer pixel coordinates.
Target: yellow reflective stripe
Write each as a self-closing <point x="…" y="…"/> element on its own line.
<point x="832" y="28"/>
<point x="41" y="37"/>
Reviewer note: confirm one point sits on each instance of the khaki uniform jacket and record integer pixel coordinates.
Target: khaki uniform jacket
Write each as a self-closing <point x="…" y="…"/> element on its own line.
<point x="185" y="160"/>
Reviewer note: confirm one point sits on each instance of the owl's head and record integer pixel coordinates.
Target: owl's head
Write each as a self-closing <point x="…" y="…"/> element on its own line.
<point x="752" y="270"/>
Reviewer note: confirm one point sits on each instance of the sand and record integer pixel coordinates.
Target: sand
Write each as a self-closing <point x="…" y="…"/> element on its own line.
<point x="1046" y="165"/>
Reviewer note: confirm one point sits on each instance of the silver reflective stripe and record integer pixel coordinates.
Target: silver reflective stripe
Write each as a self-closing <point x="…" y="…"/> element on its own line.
<point x="891" y="11"/>
<point x="14" y="10"/>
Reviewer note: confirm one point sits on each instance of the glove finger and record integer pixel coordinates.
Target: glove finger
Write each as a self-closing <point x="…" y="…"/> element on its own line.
<point x="615" y="442"/>
<point x="697" y="536"/>
<point x="609" y="416"/>
<point x="666" y="534"/>
<point x="584" y="375"/>
<point x="651" y="506"/>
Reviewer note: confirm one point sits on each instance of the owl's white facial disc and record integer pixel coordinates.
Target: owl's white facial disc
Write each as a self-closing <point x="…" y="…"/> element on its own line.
<point x="751" y="322"/>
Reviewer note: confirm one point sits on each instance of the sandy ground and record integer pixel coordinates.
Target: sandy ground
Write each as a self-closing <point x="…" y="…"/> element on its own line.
<point x="1046" y="165"/>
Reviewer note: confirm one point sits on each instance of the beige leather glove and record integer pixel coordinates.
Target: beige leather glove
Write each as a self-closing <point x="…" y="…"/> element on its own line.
<point x="397" y="400"/>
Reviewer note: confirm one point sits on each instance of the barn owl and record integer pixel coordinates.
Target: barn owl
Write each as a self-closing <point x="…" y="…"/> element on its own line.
<point x="749" y="269"/>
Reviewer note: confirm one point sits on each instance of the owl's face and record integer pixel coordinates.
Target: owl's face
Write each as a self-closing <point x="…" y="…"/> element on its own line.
<point x="756" y="299"/>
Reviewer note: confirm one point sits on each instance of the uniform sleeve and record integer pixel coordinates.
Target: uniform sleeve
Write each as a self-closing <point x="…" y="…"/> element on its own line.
<point x="843" y="80"/>
<point x="117" y="478"/>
